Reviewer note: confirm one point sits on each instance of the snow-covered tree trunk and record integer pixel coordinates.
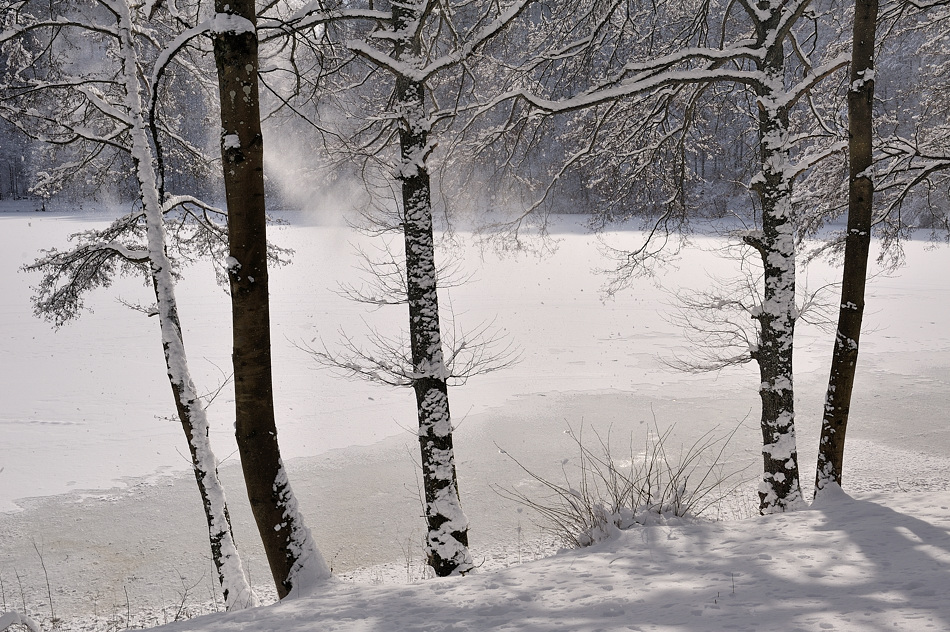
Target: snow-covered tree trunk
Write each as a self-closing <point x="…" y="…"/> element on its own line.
<point x="780" y="488"/>
<point x="294" y="560"/>
<point x="234" y="585"/>
<point x="767" y="56"/>
<point x="447" y="535"/>
<point x="857" y="248"/>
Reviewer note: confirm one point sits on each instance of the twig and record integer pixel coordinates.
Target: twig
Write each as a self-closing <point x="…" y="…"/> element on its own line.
<point x="49" y="590"/>
<point x="19" y="581"/>
<point x="128" y="608"/>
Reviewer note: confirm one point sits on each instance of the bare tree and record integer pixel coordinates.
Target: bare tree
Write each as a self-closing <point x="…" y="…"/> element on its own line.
<point x="101" y="108"/>
<point x="756" y="46"/>
<point x="410" y="48"/>
<point x="295" y="562"/>
<point x="858" y="244"/>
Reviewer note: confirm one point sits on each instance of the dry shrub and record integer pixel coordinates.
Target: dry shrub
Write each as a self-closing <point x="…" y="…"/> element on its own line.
<point x="607" y="495"/>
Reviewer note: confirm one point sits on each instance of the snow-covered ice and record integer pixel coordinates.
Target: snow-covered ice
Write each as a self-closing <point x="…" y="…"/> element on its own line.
<point x="93" y="470"/>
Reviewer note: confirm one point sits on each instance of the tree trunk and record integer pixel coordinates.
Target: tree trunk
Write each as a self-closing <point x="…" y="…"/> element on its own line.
<point x="780" y="488"/>
<point x="447" y="535"/>
<point x="234" y="585"/>
<point x="294" y="561"/>
<point x="857" y="247"/>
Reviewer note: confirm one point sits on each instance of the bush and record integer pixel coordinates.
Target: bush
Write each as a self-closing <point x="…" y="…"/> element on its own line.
<point x="647" y="488"/>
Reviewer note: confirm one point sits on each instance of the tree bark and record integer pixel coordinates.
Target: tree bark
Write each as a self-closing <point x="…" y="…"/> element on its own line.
<point x="780" y="488"/>
<point x="294" y="561"/>
<point x="235" y="588"/>
<point x="447" y="534"/>
<point x="857" y="248"/>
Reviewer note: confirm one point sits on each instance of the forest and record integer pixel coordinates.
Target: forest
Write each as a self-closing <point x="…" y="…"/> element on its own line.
<point x="795" y="131"/>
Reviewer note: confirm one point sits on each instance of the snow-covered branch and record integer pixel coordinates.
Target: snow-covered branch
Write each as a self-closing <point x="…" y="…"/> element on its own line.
<point x="379" y="58"/>
<point x="478" y="40"/>
<point x="812" y="79"/>
<point x="313" y="15"/>
<point x="58" y="23"/>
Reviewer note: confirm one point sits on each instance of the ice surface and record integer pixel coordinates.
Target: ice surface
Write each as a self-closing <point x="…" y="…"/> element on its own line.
<point x="81" y="407"/>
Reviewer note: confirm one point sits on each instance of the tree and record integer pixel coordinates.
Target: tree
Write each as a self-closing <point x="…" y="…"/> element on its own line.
<point x="911" y="153"/>
<point x="758" y="49"/>
<point x="447" y="535"/>
<point x="410" y="49"/>
<point x="900" y="161"/>
<point x="13" y="153"/>
<point x="105" y="107"/>
<point x="294" y="560"/>
<point x="857" y="247"/>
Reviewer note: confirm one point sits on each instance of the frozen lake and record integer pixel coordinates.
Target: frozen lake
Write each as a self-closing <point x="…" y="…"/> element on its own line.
<point x="85" y="412"/>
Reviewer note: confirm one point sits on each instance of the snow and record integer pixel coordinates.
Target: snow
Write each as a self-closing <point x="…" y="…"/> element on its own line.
<point x="15" y="618"/>
<point x="231" y="141"/>
<point x="879" y="562"/>
<point x="91" y="472"/>
<point x="223" y="23"/>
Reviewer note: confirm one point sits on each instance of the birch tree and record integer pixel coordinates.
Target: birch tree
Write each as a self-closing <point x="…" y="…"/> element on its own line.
<point x="759" y="49"/>
<point x="107" y="107"/>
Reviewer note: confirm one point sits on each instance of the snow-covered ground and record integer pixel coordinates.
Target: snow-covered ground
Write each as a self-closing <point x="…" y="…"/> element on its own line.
<point x="92" y="472"/>
<point x="880" y="563"/>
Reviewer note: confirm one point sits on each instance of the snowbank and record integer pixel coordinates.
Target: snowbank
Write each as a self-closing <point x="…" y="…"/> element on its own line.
<point x="875" y="563"/>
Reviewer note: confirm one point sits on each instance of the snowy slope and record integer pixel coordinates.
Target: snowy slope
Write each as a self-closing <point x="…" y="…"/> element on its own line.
<point x="877" y="563"/>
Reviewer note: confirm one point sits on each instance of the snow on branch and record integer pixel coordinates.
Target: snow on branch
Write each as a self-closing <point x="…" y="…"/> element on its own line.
<point x="812" y="158"/>
<point x="902" y="166"/>
<point x="757" y="14"/>
<point x="477" y="41"/>
<point x="58" y="23"/>
<point x="383" y="60"/>
<point x="220" y="24"/>
<point x="132" y="255"/>
<point x="166" y="55"/>
<point x="55" y="130"/>
<point x="176" y="201"/>
<point x="313" y="14"/>
<point x="229" y="23"/>
<point x="96" y="98"/>
<point x="631" y="87"/>
<point x="68" y="275"/>
<point x="423" y="73"/>
<point x="790" y="16"/>
<point x="742" y="50"/>
<point x="813" y="78"/>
